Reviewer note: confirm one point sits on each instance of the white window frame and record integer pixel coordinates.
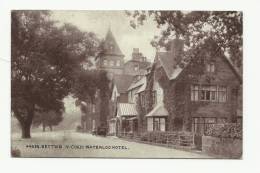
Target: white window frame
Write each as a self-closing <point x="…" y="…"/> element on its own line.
<point x="210" y="93"/>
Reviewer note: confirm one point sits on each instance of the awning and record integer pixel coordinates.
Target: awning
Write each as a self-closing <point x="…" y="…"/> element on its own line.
<point x="158" y="111"/>
<point x="126" y="110"/>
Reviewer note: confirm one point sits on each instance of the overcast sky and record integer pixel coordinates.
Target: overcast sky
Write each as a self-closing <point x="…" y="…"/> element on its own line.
<point x="99" y="22"/>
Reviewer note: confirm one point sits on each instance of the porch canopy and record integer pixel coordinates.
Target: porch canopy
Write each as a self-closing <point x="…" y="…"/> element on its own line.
<point x="158" y="111"/>
<point x="126" y="110"/>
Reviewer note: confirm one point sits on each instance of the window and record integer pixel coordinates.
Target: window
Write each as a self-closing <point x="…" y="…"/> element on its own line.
<point x="210" y="67"/>
<point x="118" y="63"/>
<point x="142" y="97"/>
<point x="162" y="124"/>
<point x="136" y="68"/>
<point x="208" y="93"/>
<point x="211" y="93"/>
<point x="156" y="124"/>
<point x="131" y="96"/>
<point x="150" y="124"/>
<point x="154" y="98"/>
<point x="194" y="92"/>
<point x="105" y="62"/>
<point x="93" y="108"/>
<point x="111" y="63"/>
<point x="222" y="94"/>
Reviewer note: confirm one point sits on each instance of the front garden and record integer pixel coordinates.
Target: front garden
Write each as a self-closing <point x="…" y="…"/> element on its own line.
<point x="220" y="140"/>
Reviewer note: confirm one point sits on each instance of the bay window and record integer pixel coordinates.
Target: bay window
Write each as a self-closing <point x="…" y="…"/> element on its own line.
<point x="156" y="124"/>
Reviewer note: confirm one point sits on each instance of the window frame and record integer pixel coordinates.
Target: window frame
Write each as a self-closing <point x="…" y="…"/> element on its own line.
<point x="211" y="67"/>
<point x="111" y="63"/>
<point x="118" y="63"/>
<point x="105" y="62"/>
<point x="208" y="93"/>
<point x="154" y="95"/>
<point x="158" y="124"/>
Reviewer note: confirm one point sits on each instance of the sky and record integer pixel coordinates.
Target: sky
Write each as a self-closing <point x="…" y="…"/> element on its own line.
<point x="126" y="37"/>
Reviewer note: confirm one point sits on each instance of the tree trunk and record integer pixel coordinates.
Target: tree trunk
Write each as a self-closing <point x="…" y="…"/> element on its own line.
<point x="26" y="126"/>
<point x="26" y="131"/>
<point x="43" y="127"/>
<point x="25" y="122"/>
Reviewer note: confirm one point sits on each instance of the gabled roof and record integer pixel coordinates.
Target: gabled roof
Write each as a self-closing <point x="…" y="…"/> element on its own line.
<point x="172" y="70"/>
<point x="232" y="67"/>
<point x="138" y="83"/>
<point x="126" y="109"/>
<point x="158" y="110"/>
<point x="111" y="46"/>
<point x="122" y="82"/>
<point x="166" y="60"/>
<point x="143" y="87"/>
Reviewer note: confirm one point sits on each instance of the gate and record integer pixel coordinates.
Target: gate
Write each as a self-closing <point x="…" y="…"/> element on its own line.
<point x="198" y="141"/>
<point x="198" y="129"/>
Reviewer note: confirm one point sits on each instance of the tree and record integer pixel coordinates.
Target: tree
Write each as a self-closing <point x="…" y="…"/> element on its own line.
<point x="225" y="27"/>
<point x="90" y="84"/>
<point x="48" y="119"/>
<point x="43" y="60"/>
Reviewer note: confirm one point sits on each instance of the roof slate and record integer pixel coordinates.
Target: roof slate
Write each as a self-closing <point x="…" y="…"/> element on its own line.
<point x="158" y="110"/>
<point x="122" y="82"/>
<point x="168" y="63"/>
<point x="111" y="41"/>
<point x="126" y="109"/>
<point x="138" y="83"/>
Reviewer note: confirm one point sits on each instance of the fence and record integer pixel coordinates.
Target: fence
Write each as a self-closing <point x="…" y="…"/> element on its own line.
<point x="169" y="139"/>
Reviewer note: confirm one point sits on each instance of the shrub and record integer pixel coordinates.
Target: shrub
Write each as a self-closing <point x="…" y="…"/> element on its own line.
<point x="164" y="137"/>
<point x="144" y="137"/>
<point x="230" y="130"/>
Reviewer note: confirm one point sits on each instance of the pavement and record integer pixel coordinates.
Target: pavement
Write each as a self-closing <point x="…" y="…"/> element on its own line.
<point x="75" y="144"/>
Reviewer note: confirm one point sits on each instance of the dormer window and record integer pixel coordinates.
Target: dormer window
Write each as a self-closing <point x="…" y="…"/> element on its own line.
<point x="210" y="67"/>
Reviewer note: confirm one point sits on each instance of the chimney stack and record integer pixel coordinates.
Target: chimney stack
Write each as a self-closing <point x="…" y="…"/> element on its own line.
<point x="136" y="55"/>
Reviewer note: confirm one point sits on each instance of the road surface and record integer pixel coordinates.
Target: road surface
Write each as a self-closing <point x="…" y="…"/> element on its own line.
<point x="74" y="144"/>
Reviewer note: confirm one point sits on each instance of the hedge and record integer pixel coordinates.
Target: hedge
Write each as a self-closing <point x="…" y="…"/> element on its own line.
<point x="174" y="138"/>
<point x="227" y="130"/>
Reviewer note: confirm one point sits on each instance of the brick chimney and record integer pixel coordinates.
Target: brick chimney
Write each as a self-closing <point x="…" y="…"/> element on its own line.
<point x="136" y="55"/>
<point x="176" y="47"/>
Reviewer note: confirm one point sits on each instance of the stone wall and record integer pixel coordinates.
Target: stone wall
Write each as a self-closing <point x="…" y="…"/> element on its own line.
<point x="224" y="147"/>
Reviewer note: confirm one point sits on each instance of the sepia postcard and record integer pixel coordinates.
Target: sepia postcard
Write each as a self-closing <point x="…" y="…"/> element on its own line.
<point x="126" y="84"/>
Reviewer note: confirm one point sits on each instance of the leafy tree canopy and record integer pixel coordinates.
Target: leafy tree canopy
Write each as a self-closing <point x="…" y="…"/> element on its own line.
<point x="44" y="58"/>
<point x="225" y="27"/>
